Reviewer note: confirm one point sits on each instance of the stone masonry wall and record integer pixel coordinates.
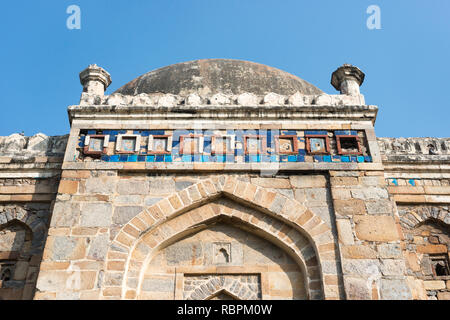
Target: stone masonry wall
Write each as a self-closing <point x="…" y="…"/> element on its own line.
<point x="93" y="207"/>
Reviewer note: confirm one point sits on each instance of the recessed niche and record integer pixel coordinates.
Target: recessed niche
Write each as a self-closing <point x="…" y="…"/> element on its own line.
<point x="348" y="145"/>
<point x="95" y="144"/>
<point x="160" y="144"/>
<point x="318" y="144"/>
<point x="128" y="143"/>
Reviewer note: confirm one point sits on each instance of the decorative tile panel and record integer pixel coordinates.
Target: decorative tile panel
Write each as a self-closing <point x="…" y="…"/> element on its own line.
<point x="222" y="146"/>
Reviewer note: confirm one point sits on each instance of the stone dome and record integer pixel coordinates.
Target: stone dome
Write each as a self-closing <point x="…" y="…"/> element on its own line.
<point x="210" y="76"/>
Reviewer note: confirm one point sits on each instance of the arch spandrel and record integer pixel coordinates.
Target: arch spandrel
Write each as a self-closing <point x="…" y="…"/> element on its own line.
<point x="167" y="221"/>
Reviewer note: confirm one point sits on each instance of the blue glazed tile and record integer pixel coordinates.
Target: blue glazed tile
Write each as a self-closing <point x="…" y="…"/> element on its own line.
<point x="114" y="132"/>
<point x="289" y="132"/>
<point x="92" y="132"/>
<point x="345" y="159"/>
<point x="122" y="131"/>
<point x="167" y="158"/>
<point x="105" y="158"/>
<point x="345" y="133"/>
<point x="114" y="158"/>
<point x="205" y="158"/>
<point x="112" y="138"/>
<point x="300" y="158"/>
<point x="283" y="158"/>
<point x="292" y="158"/>
<point x="318" y="158"/>
<point x="150" y="158"/>
<point x="108" y="132"/>
<point x="81" y="141"/>
<point x="230" y="158"/>
<point x="336" y="158"/>
<point x="123" y="158"/>
<point x="159" y="158"/>
<point x="353" y="158"/>
<point x="141" y="159"/>
<point x="186" y="158"/>
<point x="395" y="182"/>
<point x="156" y="132"/>
<point x="302" y="152"/>
<point x="315" y="132"/>
<point x="132" y="158"/>
<point x="255" y="158"/>
<point x="145" y="133"/>
<point x="367" y="158"/>
<point x="360" y="159"/>
<point x="412" y="182"/>
<point x="220" y="158"/>
<point x="273" y="158"/>
<point x="326" y="158"/>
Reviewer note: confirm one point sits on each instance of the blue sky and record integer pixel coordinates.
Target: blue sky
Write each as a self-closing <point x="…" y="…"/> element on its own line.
<point x="407" y="62"/>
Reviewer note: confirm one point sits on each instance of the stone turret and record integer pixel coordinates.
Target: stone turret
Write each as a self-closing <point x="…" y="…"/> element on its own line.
<point x="347" y="79"/>
<point x="95" y="80"/>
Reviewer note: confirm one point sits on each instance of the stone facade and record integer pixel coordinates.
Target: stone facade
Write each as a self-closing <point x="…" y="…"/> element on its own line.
<point x="204" y="194"/>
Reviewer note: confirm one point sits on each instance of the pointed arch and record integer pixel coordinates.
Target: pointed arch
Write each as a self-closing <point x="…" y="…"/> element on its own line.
<point x="414" y="218"/>
<point x="279" y="218"/>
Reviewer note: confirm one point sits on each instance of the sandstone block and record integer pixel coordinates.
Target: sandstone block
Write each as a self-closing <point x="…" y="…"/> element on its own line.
<point x="308" y="181"/>
<point x="132" y="186"/>
<point x="68" y="186"/>
<point x="370" y="193"/>
<point x="345" y="232"/>
<point x="389" y="250"/>
<point x="158" y="285"/>
<point x="418" y="291"/>
<point x="395" y="290"/>
<point x="68" y="248"/>
<point x="96" y="215"/>
<point x="65" y="214"/>
<point x="99" y="247"/>
<point x="349" y="207"/>
<point x="162" y="186"/>
<point x="357" y="288"/>
<point x="376" y="228"/>
<point x="434" y="284"/>
<point x="276" y="183"/>
<point x="379" y="207"/>
<point x="443" y="295"/>
<point x="392" y="267"/>
<point x="358" y="252"/>
<point x="432" y="248"/>
<point x="124" y="214"/>
<point x="102" y="185"/>
<point x="343" y="181"/>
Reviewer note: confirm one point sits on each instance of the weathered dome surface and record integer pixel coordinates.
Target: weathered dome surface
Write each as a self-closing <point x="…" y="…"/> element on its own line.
<point x="212" y="76"/>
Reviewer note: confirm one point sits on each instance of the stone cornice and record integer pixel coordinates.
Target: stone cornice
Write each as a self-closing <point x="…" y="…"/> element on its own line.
<point x="224" y="112"/>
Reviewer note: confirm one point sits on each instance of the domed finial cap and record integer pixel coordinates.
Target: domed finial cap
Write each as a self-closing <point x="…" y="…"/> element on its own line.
<point x="95" y="79"/>
<point x="347" y="79"/>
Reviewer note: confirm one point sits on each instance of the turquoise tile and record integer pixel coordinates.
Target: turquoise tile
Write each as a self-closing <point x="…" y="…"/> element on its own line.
<point x="150" y="158"/>
<point x="186" y="158"/>
<point x="132" y="158"/>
